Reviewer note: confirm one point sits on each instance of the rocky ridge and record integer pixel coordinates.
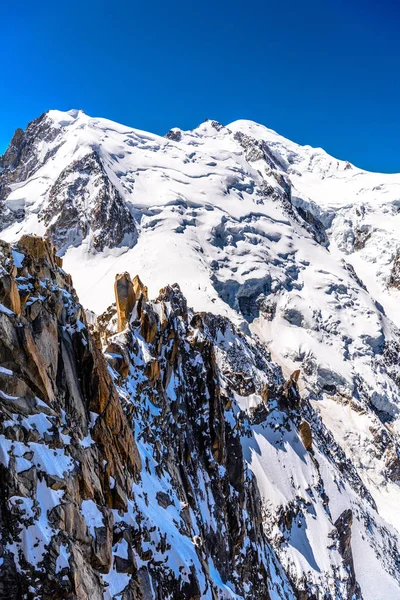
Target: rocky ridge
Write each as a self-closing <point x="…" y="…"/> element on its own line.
<point x="138" y="454"/>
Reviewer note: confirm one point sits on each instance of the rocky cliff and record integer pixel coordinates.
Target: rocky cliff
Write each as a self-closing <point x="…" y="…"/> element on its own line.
<point x="159" y="453"/>
<point x="83" y="512"/>
<point x="65" y="435"/>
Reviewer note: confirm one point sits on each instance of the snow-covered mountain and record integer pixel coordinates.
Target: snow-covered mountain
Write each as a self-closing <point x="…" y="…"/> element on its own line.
<point x="287" y="362"/>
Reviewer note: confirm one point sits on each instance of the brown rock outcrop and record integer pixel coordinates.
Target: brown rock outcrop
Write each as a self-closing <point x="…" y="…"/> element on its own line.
<point x="125" y="298"/>
<point x="192" y="438"/>
<point x="9" y="295"/>
<point x="149" y="324"/>
<point x="139" y="288"/>
<point x="54" y="374"/>
<point x="306" y="435"/>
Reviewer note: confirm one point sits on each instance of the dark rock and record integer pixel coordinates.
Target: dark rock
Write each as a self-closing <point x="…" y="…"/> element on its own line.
<point x="174" y="135"/>
<point x="343" y="532"/>
<point x="68" y="219"/>
<point x="163" y="499"/>
<point x="395" y="274"/>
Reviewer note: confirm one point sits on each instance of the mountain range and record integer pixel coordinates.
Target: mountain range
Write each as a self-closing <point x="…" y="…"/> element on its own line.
<point x="199" y="380"/>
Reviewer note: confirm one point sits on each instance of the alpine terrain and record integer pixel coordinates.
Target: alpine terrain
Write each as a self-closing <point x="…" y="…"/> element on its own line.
<point x="199" y="380"/>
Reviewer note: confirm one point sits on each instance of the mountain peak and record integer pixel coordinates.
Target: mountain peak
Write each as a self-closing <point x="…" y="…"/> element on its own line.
<point x="63" y="118"/>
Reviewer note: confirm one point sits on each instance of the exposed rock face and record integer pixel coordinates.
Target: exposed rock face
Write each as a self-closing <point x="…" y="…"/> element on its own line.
<point x="64" y="434"/>
<point x="9" y="295"/>
<point x="174" y="134"/>
<point x="314" y="225"/>
<point x="70" y="466"/>
<point x="343" y="529"/>
<point x="240" y="217"/>
<point x="21" y="158"/>
<point x="395" y="274"/>
<point x="257" y="151"/>
<point x="125" y="299"/>
<point x="194" y="444"/>
<point x="306" y="434"/>
<point x="83" y="202"/>
<point x="137" y="456"/>
<point x="393" y="462"/>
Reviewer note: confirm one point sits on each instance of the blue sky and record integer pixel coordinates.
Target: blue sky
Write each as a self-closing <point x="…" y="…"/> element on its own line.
<point x="322" y="72"/>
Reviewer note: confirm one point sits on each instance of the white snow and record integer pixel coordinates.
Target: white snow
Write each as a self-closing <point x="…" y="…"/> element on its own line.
<point x="63" y="558"/>
<point x="18" y="257"/>
<point x="92" y="515"/>
<point x="5" y="371"/>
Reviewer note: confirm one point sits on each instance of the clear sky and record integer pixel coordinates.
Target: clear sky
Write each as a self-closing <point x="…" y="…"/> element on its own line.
<point x="325" y="72"/>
